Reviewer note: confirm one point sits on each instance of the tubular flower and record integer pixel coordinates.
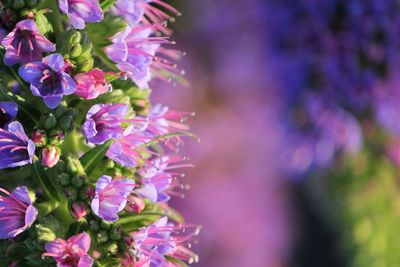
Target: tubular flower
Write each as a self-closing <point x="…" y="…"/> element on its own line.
<point x="16" y="212"/>
<point x="137" y="11"/>
<point x="8" y="112"/>
<point x="48" y="79"/>
<point x="141" y="56"/>
<point x="128" y="149"/>
<point x="111" y="197"/>
<point x="80" y="12"/>
<point x="25" y="44"/>
<point x="72" y="252"/>
<point x="15" y="147"/>
<point x="159" y="179"/>
<point x="91" y="84"/>
<point x="150" y="244"/>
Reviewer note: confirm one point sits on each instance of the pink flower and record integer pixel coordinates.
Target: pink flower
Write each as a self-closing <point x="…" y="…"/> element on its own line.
<point x="71" y="252"/>
<point x="50" y="156"/>
<point x="91" y="84"/>
<point x="78" y="210"/>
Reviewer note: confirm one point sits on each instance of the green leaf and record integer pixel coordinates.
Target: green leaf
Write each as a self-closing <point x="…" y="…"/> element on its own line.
<point x="91" y="159"/>
<point x="48" y="185"/>
<point x="42" y="22"/>
<point x="106" y="4"/>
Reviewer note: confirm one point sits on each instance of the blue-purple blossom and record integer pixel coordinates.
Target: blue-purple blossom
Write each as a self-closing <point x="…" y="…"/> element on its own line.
<point x="16" y="149"/>
<point x="81" y="12"/>
<point x="25" y="44"/>
<point x="111" y="197"/>
<point x="72" y="252"/>
<point x="16" y="212"/>
<point x="103" y="122"/>
<point x="8" y="113"/>
<point x="48" y="79"/>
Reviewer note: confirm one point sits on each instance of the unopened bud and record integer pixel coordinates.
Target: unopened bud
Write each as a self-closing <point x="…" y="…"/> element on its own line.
<point x="94" y="226"/>
<point x="102" y="237"/>
<point x="66" y="123"/>
<point x="50" y="156"/>
<point x="48" y="121"/>
<point x="135" y="204"/>
<point x="86" y="50"/>
<point x="115" y="233"/>
<point x="78" y="210"/>
<point x="105" y="225"/>
<point x="9" y="17"/>
<point x="71" y="193"/>
<point x="77" y="181"/>
<point x="74" y="166"/>
<point x="39" y="137"/>
<point x="112" y="248"/>
<point x="44" y="234"/>
<point x="64" y="179"/>
<point x="75" y="37"/>
<point x="56" y="137"/>
<point x="18" y="4"/>
<point x="86" y="65"/>
<point x="31" y="3"/>
<point x="75" y="51"/>
<point x="60" y="110"/>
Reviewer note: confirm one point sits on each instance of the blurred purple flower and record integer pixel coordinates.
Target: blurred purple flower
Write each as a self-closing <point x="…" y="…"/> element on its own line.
<point x="16" y="212"/>
<point x="8" y="113"/>
<point x="80" y="12"/>
<point x="48" y="79"/>
<point x="150" y="244"/>
<point x="72" y="252"/>
<point x="111" y="197"/>
<point x="15" y="147"/>
<point x="25" y="44"/>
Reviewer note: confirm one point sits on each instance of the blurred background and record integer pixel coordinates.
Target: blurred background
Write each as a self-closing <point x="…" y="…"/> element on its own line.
<point x="297" y="105"/>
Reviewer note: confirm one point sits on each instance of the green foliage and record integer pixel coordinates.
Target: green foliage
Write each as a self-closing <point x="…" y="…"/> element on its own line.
<point x="91" y="159"/>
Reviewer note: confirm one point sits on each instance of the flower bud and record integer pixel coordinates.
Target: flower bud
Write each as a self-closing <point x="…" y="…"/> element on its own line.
<point x="135" y="204"/>
<point x="74" y="37"/>
<point x="102" y="237"/>
<point x="56" y="137"/>
<point x="86" y="50"/>
<point x="8" y="18"/>
<point x="66" y="123"/>
<point x="83" y="193"/>
<point x="39" y="137"/>
<point x="91" y="84"/>
<point x="77" y="181"/>
<point x="60" y="110"/>
<point x="75" y="51"/>
<point x="64" y="179"/>
<point x="112" y="248"/>
<point x="115" y="233"/>
<point x="78" y="210"/>
<point x="50" y="156"/>
<point x="71" y="193"/>
<point x="86" y="65"/>
<point x="48" y="121"/>
<point x="44" y="234"/>
<point x="74" y="166"/>
<point x="31" y="3"/>
<point x="94" y="226"/>
<point x="105" y="225"/>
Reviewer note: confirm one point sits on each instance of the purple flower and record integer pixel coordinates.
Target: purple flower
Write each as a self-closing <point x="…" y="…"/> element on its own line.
<point x="91" y="84"/>
<point x="150" y="244"/>
<point x="158" y="178"/>
<point x="103" y="122"/>
<point x="25" y="44"/>
<point x="16" y="212"/>
<point x="128" y="149"/>
<point x="15" y="147"/>
<point x="81" y="11"/>
<point x="8" y="112"/>
<point x="134" y="51"/>
<point x="48" y="79"/>
<point x="111" y="196"/>
<point x="72" y="252"/>
<point x="138" y="11"/>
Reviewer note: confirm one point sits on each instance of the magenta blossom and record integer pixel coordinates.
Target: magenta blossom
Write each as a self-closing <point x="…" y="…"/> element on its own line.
<point x="91" y="84"/>
<point x="25" y="44"/>
<point x="111" y="197"/>
<point x="159" y="178"/>
<point x="151" y="244"/>
<point x="141" y="57"/>
<point x="16" y="212"/>
<point x="72" y="252"/>
<point x="80" y="12"/>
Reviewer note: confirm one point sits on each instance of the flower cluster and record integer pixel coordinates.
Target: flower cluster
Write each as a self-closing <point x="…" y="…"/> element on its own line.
<point x="95" y="162"/>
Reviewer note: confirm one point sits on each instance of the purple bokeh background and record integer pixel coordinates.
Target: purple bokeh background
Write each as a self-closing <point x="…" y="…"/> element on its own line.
<point x="236" y="193"/>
